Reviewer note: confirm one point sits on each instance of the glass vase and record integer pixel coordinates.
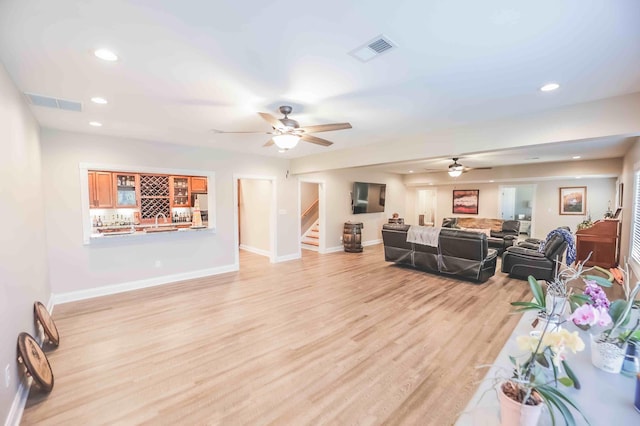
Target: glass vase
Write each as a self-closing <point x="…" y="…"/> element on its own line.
<point x="555" y="304"/>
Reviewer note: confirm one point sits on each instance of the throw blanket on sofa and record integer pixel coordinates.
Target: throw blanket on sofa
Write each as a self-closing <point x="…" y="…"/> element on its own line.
<point x="425" y="235"/>
<point x="568" y="237"/>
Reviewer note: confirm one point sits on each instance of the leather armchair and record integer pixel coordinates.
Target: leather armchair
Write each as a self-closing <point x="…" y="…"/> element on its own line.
<point x="520" y="262"/>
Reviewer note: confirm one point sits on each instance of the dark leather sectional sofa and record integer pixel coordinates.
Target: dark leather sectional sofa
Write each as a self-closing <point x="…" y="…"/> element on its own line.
<point x="499" y="239"/>
<point x="459" y="253"/>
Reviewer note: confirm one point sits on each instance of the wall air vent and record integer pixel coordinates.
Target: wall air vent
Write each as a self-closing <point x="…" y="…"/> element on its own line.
<point x="373" y="48"/>
<point x="49" y="102"/>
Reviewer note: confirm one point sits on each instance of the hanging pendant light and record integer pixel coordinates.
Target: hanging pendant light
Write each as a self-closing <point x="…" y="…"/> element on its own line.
<point x="286" y="141"/>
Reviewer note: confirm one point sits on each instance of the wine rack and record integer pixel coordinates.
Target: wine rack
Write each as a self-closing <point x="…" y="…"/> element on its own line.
<point x="154" y="196"/>
<point x="154" y="186"/>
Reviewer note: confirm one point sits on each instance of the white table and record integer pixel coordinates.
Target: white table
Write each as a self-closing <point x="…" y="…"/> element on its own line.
<point x="604" y="398"/>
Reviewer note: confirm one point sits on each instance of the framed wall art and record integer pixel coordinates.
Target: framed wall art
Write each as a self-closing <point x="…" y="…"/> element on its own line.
<point x="465" y="201"/>
<point x="573" y="200"/>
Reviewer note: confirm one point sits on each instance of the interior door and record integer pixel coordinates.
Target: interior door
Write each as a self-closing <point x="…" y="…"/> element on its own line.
<point x="508" y="203"/>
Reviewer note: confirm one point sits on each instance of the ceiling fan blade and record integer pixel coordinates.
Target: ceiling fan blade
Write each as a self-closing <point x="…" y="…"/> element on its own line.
<point x="317" y="141"/>
<point x="326" y="127"/>
<point x="223" y="132"/>
<point x="275" y="123"/>
<point x="269" y="143"/>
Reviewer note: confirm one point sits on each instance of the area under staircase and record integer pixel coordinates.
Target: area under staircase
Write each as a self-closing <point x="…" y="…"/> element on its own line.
<point x="311" y="239"/>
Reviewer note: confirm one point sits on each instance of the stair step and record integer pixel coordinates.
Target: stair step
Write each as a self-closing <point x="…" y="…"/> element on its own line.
<point x="311" y="242"/>
<point x="313" y="234"/>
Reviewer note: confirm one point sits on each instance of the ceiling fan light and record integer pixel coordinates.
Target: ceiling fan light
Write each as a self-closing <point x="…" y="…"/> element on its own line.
<point x="286" y="141"/>
<point x="455" y="172"/>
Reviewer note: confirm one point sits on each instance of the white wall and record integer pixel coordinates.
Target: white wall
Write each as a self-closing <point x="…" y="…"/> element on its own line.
<point x="546" y="215"/>
<point x="255" y="202"/>
<point x="23" y="265"/>
<point x="338" y="187"/>
<point x="631" y="165"/>
<point x="74" y="266"/>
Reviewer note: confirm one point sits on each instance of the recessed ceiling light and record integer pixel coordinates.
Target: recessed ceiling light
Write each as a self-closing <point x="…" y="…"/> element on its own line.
<point x="491" y="181"/>
<point x="578" y="177"/>
<point x="575" y="157"/>
<point x="282" y="150"/>
<point x="105" y="55"/>
<point x="410" y="171"/>
<point x="99" y="100"/>
<point x="549" y="87"/>
<point x="95" y="124"/>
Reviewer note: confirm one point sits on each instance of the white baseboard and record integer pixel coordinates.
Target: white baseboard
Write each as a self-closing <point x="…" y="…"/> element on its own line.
<point x="333" y="249"/>
<point x="250" y="249"/>
<point x="73" y="296"/>
<point x="371" y="242"/>
<point x="288" y="257"/>
<point x="19" y="402"/>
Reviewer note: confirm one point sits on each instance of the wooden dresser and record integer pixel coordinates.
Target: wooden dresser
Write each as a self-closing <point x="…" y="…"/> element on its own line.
<point x="603" y="240"/>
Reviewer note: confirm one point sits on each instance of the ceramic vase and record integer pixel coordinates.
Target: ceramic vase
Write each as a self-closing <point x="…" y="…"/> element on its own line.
<point x="607" y="356"/>
<point x="513" y="413"/>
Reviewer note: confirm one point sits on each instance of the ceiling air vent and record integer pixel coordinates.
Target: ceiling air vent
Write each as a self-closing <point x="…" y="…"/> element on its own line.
<point x="49" y="102"/>
<point x="373" y="48"/>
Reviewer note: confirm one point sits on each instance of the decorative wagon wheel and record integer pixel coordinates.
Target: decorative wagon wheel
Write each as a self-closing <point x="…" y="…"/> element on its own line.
<point x="35" y="361"/>
<point x="50" y="329"/>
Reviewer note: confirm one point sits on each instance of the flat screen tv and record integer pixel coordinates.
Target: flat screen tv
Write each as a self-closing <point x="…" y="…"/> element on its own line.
<point x="368" y="197"/>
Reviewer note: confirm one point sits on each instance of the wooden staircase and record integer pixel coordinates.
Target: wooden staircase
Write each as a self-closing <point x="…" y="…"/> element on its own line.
<point x="311" y="239"/>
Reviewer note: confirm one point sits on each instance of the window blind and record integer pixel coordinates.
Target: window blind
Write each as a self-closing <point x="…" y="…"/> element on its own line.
<point x="635" y="238"/>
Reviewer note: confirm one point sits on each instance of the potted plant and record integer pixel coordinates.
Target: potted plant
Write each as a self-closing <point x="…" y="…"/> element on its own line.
<point x="535" y="381"/>
<point x="552" y="305"/>
<point x="608" y="348"/>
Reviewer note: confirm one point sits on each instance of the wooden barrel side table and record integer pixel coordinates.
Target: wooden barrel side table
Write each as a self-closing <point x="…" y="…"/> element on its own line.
<point x="352" y="237"/>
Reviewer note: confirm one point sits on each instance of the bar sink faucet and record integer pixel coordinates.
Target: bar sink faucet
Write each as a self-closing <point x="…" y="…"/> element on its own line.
<point x="160" y="214"/>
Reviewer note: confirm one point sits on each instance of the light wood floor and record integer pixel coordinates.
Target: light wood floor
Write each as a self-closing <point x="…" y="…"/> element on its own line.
<point x="342" y="338"/>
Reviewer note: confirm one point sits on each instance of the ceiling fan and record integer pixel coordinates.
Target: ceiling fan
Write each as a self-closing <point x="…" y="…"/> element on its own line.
<point x="455" y="169"/>
<point x="288" y="132"/>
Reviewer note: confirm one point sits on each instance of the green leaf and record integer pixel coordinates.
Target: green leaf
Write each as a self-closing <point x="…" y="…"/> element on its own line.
<point x="571" y="374"/>
<point x="536" y="289"/>
<point x="579" y="299"/>
<point x="616" y="309"/>
<point x="601" y="281"/>
<point x="566" y="381"/>
<point x="542" y="360"/>
<point x="552" y="399"/>
<point x="563" y="399"/>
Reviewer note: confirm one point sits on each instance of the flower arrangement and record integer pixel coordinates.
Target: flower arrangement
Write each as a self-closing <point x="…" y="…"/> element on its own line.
<point x="560" y="292"/>
<point x="531" y="383"/>
<point x="595" y="310"/>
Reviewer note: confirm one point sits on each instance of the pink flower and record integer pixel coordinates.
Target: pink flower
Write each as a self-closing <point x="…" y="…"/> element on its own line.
<point x="585" y="315"/>
<point x="604" y="319"/>
<point x="590" y="315"/>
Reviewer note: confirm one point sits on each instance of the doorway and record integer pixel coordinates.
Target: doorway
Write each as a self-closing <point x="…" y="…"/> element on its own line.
<point x="254" y="216"/>
<point x="311" y="207"/>
<point x="426" y="206"/>
<point x="517" y="203"/>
